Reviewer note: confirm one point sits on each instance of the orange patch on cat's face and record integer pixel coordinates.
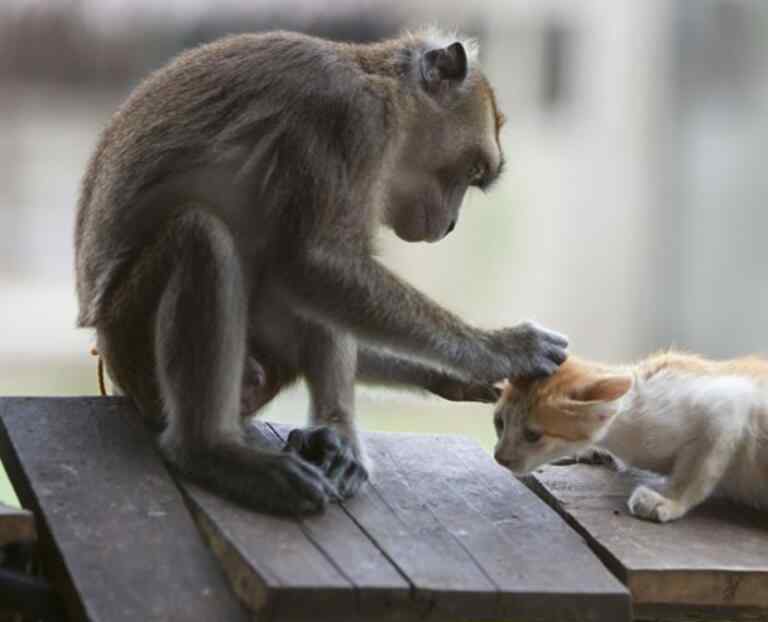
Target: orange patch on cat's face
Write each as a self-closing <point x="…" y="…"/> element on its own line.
<point x="569" y="409"/>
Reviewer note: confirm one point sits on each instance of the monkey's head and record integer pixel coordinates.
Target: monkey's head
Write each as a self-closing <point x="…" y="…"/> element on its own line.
<point x="451" y="142"/>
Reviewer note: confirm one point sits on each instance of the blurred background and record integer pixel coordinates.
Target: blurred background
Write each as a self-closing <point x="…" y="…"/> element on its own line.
<point x="632" y="217"/>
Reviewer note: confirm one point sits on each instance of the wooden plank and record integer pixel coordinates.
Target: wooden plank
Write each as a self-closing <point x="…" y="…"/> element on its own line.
<point x="16" y="525"/>
<point x="515" y="537"/>
<point x="447" y="582"/>
<point x="120" y="541"/>
<point x="451" y="541"/>
<point x="712" y="563"/>
<point x="516" y="541"/>
<point x="289" y="569"/>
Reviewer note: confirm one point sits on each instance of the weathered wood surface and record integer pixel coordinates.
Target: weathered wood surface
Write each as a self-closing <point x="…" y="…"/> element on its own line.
<point x="441" y="534"/>
<point x="16" y="525"/>
<point x="120" y="542"/>
<point x="286" y="568"/>
<point x="711" y="564"/>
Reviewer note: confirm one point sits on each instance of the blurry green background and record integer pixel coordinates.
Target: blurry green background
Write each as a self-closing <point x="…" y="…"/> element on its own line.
<point x="632" y="215"/>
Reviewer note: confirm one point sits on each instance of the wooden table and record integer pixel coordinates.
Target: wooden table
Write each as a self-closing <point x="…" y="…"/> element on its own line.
<point x="712" y="564"/>
<point x="442" y="533"/>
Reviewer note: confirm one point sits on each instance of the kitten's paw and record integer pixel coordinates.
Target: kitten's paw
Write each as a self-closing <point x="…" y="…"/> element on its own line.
<point x="592" y="457"/>
<point x="651" y="505"/>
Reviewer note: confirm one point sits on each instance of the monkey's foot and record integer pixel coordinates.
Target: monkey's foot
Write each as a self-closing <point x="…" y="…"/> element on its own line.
<point x="334" y="455"/>
<point x="278" y="483"/>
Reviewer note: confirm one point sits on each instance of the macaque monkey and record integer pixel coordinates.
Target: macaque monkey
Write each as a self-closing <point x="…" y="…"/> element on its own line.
<point x="224" y="244"/>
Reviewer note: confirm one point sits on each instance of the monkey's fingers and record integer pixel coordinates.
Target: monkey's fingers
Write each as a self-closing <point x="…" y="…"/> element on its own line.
<point x="347" y="473"/>
<point x="557" y="339"/>
<point x="296" y="441"/>
<point x="546" y="362"/>
<point x="305" y="487"/>
<point x="353" y="479"/>
<point x="319" y="446"/>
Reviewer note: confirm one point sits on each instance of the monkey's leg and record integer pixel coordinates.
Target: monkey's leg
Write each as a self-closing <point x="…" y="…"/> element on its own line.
<point x="196" y="345"/>
<point x="378" y="367"/>
<point x="329" y="365"/>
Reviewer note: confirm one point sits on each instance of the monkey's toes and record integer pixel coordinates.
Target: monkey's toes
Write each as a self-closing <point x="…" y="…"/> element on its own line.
<point x="333" y="455"/>
<point x="319" y="446"/>
<point x="347" y="473"/>
<point x="353" y="480"/>
<point x="305" y="488"/>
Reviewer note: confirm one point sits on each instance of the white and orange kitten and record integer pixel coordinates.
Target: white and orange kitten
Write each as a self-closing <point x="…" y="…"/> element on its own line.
<point x="704" y="423"/>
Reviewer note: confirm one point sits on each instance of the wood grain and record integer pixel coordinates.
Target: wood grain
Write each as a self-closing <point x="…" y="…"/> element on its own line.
<point x="290" y="569"/>
<point x="712" y="562"/>
<point x="120" y="542"/>
<point x="441" y="533"/>
<point x="473" y="541"/>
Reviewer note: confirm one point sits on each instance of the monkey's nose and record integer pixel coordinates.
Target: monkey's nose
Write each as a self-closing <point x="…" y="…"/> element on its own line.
<point x="451" y="227"/>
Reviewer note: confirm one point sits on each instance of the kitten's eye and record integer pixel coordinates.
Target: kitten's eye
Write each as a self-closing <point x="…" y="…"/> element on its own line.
<point x="477" y="172"/>
<point x="531" y="436"/>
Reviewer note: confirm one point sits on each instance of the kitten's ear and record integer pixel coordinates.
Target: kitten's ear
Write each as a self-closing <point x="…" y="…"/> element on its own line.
<point x="605" y="389"/>
<point x="592" y="401"/>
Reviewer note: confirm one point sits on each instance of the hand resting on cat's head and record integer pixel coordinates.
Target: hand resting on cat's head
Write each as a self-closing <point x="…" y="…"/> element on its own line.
<point x="703" y="423"/>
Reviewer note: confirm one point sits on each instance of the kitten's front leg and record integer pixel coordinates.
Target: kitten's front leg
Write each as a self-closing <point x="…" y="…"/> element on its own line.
<point x="651" y="505"/>
<point x="593" y="456"/>
<point x="695" y="476"/>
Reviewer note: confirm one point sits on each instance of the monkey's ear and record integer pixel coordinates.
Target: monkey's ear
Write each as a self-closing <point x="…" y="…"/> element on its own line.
<point x="444" y="64"/>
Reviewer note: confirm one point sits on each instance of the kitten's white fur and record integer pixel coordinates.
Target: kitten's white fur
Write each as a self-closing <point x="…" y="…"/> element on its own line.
<point x="709" y="433"/>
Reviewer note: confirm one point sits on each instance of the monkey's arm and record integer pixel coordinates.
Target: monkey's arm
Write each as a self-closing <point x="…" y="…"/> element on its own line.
<point x="353" y="290"/>
<point x="382" y="368"/>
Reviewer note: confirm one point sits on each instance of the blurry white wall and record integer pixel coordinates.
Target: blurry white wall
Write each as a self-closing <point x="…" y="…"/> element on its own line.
<point x="631" y="215"/>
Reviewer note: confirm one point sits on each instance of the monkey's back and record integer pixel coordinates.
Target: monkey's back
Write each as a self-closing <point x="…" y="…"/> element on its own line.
<point x="219" y="127"/>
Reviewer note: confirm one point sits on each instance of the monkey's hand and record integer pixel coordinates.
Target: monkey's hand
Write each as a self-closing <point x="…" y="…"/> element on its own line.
<point x="334" y="455"/>
<point x="526" y="350"/>
<point x="458" y="390"/>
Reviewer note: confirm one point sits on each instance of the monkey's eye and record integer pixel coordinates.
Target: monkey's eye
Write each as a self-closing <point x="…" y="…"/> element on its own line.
<point x="531" y="436"/>
<point x="477" y="173"/>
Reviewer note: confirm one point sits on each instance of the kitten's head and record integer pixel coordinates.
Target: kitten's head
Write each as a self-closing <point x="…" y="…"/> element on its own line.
<point x="538" y="421"/>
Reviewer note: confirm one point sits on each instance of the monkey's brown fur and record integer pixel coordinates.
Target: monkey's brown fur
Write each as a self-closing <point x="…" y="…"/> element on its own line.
<point x="226" y="218"/>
